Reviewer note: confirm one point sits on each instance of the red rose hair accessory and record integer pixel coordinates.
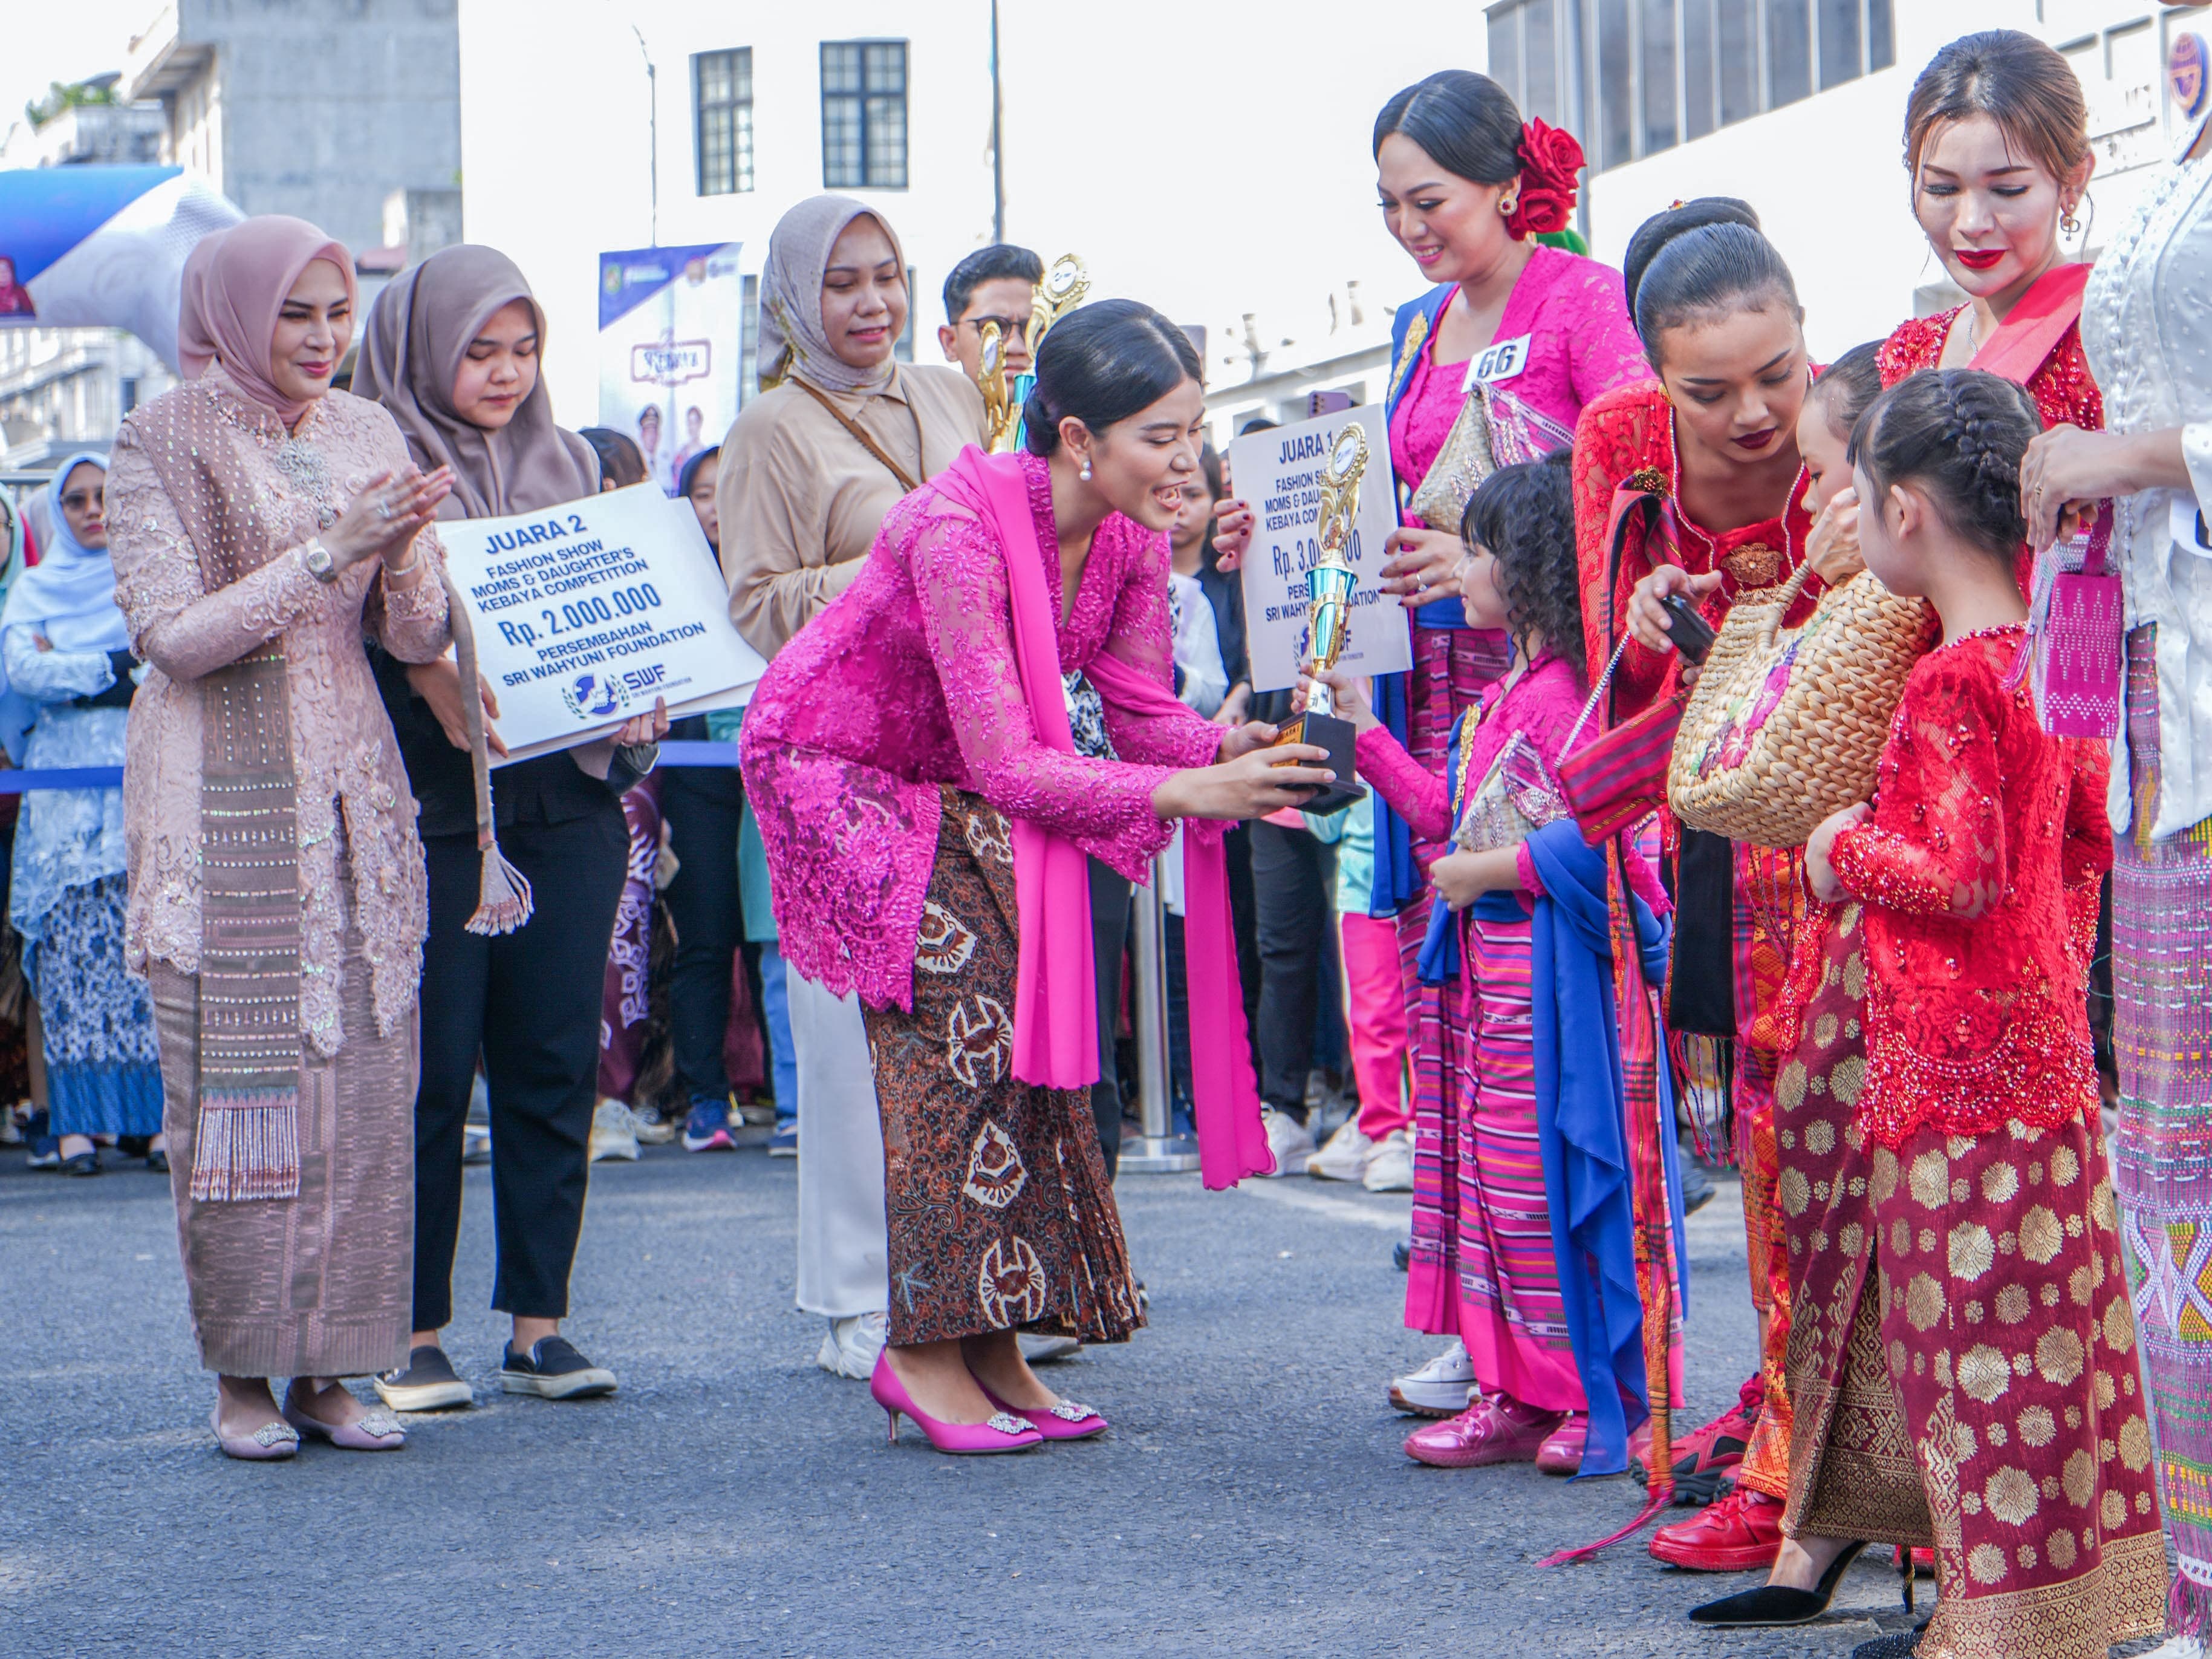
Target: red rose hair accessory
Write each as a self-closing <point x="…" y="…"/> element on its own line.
<point x="1550" y="159"/>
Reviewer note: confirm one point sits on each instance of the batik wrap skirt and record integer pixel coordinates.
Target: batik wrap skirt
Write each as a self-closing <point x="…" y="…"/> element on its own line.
<point x="2162" y="1155"/>
<point x="1000" y="1216"/>
<point x="1962" y="1358"/>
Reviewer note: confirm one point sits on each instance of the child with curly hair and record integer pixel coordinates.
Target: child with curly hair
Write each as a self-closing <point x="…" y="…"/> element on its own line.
<point x="1486" y="1254"/>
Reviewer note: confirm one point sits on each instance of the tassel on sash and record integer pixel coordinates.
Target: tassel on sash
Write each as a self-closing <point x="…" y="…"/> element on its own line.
<point x="503" y="902"/>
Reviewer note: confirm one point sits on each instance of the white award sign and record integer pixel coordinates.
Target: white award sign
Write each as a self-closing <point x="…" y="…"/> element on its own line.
<point x="1279" y="472"/>
<point x="584" y="613"/>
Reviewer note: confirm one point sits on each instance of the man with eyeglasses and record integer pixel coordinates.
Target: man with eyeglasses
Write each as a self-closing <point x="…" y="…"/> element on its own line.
<point x="994" y="284"/>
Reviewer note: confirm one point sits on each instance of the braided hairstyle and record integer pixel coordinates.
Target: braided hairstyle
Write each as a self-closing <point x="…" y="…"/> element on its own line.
<point x="1960" y="435"/>
<point x="1524" y="517"/>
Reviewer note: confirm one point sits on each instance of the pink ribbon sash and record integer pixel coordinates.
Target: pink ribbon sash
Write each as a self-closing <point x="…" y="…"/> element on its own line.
<point x="1055" y="996"/>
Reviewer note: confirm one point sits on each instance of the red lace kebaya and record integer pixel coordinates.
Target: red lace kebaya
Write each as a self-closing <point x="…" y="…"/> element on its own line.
<point x="1982" y="824"/>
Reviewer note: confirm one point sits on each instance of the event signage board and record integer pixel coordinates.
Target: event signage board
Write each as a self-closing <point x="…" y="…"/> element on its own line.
<point x="585" y="613"/>
<point x="670" y="322"/>
<point x="1279" y="472"/>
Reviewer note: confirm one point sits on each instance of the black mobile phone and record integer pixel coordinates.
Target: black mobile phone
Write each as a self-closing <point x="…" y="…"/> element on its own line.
<point x="1691" y="633"/>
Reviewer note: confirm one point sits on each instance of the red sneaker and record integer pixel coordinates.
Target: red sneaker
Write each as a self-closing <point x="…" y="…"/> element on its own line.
<point x="1710" y="1455"/>
<point x="1492" y="1430"/>
<point x="1739" y="1532"/>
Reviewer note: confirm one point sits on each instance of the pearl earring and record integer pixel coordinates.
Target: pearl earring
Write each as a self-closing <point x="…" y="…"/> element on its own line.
<point x="2067" y="222"/>
<point x="1085" y="474"/>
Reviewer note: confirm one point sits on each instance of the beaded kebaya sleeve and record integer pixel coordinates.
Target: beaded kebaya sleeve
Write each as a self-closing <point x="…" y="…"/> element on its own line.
<point x="1981" y="825"/>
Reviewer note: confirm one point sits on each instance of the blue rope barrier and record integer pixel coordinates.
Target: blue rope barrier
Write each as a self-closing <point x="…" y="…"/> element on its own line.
<point x="673" y="752"/>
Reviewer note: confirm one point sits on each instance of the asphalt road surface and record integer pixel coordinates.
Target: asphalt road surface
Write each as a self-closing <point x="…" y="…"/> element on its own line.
<point x="733" y="1498"/>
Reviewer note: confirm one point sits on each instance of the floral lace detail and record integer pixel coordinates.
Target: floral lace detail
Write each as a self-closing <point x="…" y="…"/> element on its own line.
<point x="1982" y="825"/>
<point x="2065" y="390"/>
<point x="1628" y="431"/>
<point x="343" y="751"/>
<point x="909" y="682"/>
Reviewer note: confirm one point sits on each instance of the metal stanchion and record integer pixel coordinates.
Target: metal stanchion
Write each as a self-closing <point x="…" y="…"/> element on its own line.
<point x="1159" y="1150"/>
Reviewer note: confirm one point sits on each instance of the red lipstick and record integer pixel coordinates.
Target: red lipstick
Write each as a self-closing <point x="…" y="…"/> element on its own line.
<point x="1756" y="440"/>
<point x="1980" y="258"/>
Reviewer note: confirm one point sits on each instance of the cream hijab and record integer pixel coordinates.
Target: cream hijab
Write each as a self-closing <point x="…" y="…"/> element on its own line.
<point x="419" y="330"/>
<point x="791" y="296"/>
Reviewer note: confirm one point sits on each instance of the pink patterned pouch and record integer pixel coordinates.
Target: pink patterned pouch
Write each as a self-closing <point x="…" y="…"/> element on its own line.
<point x="2077" y="638"/>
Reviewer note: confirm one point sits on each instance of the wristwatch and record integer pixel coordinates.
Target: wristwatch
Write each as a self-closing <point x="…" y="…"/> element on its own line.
<point x="317" y="558"/>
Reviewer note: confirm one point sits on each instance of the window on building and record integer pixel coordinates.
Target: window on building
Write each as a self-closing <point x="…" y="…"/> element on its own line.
<point x="1789" y="53"/>
<point x="748" y="341"/>
<point x="864" y="114"/>
<point x="1631" y="78"/>
<point x="722" y="114"/>
<point x="1656" y="73"/>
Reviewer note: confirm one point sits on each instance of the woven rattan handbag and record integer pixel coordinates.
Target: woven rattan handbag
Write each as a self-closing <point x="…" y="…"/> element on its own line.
<point x="1785" y="724"/>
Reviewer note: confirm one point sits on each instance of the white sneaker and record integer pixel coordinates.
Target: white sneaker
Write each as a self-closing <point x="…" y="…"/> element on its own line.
<point x="651" y="1127"/>
<point x="2181" y="1647"/>
<point x="1390" y="1165"/>
<point x="1291" y="1141"/>
<point x="850" y="1346"/>
<point x="1343" y="1156"/>
<point x="1439" y="1389"/>
<point x="614" y="1132"/>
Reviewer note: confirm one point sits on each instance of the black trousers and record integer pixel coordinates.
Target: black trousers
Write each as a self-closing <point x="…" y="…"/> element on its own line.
<point x="529" y="1001"/>
<point x="702" y="807"/>
<point x="1109" y="944"/>
<point x="1293" y="886"/>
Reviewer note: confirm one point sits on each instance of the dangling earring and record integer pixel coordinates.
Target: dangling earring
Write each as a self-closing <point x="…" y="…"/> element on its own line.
<point x="2067" y="222"/>
<point x="1085" y="474"/>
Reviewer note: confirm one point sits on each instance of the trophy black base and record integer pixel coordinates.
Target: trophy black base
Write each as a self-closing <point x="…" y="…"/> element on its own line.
<point x="1336" y="735"/>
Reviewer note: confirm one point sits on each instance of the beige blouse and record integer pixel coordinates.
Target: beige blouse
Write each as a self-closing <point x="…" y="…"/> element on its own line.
<point x="801" y="500"/>
<point x="343" y="752"/>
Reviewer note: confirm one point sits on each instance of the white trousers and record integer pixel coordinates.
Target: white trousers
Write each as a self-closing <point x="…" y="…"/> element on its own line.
<point x="844" y="1260"/>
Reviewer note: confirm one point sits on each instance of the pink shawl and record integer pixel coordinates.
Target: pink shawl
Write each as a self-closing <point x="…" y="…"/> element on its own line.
<point x="1055" y="996"/>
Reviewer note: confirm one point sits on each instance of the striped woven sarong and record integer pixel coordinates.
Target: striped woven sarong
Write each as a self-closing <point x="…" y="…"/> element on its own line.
<point x="2162" y="1155"/>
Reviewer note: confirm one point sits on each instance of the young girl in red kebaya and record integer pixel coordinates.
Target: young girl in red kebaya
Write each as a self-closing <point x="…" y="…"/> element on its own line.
<point x="1969" y="1171"/>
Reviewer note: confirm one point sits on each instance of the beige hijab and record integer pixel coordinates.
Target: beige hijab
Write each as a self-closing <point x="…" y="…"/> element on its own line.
<point x="791" y="296"/>
<point x="419" y="330"/>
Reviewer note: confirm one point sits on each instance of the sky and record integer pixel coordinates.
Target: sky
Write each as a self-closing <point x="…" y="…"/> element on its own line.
<point x="40" y="44"/>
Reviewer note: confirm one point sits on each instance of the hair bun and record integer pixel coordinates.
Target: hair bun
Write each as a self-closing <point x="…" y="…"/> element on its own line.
<point x="1683" y="217"/>
<point x="1040" y="431"/>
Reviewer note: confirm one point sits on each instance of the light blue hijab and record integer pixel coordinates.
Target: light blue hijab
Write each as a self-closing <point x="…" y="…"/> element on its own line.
<point x="69" y="597"/>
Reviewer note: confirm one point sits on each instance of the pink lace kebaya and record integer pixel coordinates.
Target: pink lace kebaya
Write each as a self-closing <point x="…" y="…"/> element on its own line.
<point x="909" y="681"/>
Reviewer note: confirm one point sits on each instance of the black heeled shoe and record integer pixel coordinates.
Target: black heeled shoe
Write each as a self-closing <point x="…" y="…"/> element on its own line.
<point x="1777" y="1604"/>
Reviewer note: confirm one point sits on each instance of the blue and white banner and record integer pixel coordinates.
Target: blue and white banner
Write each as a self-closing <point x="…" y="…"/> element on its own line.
<point x="102" y="247"/>
<point x="670" y="322"/>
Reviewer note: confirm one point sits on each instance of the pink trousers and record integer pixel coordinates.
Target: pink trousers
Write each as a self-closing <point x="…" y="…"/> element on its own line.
<point x="1377" y="992"/>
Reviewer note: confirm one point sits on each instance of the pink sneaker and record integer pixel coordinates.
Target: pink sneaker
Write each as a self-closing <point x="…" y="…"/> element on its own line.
<point x="1562" y="1453"/>
<point x="1493" y="1429"/>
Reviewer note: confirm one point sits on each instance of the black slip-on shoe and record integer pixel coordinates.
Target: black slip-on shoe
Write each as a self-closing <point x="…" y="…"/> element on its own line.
<point x="553" y="1370"/>
<point x="427" y="1383"/>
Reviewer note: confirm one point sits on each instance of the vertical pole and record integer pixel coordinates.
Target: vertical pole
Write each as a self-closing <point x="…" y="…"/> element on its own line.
<point x="998" y="135"/>
<point x="1159" y="1150"/>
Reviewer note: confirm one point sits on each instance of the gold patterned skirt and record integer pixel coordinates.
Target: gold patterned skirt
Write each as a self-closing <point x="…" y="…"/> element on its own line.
<point x="999" y="1213"/>
<point x="1962" y="1354"/>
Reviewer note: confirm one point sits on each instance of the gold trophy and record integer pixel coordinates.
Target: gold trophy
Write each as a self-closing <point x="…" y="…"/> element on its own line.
<point x="1059" y="292"/>
<point x="1328" y="593"/>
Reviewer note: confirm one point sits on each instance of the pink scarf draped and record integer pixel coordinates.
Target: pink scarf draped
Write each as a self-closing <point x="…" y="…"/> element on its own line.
<point x="1055" y="996"/>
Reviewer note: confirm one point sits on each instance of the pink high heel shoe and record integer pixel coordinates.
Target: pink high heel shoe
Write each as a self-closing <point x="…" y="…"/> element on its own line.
<point x="1065" y="1421"/>
<point x="1005" y="1432"/>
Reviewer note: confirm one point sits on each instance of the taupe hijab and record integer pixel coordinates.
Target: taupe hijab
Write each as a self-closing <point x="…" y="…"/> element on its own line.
<point x="791" y="296"/>
<point x="419" y="329"/>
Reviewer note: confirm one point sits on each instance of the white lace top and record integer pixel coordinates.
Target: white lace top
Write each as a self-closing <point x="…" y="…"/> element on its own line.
<point x="2147" y="329"/>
